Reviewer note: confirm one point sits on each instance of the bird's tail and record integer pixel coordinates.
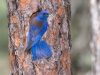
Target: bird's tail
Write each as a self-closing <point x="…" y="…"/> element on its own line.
<point x="41" y="50"/>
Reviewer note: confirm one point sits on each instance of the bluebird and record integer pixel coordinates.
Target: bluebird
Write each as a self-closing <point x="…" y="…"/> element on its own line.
<point x="38" y="26"/>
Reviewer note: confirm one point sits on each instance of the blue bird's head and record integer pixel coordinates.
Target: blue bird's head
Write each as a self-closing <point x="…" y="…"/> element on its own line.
<point x="42" y="16"/>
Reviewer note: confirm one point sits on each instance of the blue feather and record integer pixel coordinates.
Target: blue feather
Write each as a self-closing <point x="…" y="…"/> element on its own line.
<point x="40" y="49"/>
<point x="46" y="50"/>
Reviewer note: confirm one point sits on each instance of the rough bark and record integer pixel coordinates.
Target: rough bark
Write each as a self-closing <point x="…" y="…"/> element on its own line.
<point x="58" y="37"/>
<point x="95" y="43"/>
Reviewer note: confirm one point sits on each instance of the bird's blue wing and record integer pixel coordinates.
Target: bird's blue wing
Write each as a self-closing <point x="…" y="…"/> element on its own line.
<point x="42" y="31"/>
<point x="39" y="35"/>
<point x="32" y="40"/>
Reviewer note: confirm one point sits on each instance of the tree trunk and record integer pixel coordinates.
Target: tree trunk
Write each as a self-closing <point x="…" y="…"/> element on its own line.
<point x="95" y="43"/>
<point x="58" y="37"/>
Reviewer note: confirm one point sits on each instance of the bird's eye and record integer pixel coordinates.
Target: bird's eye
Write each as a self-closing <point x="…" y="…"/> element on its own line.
<point x="44" y="14"/>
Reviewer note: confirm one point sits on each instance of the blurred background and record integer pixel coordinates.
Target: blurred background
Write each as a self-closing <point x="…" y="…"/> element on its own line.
<point x="4" y="61"/>
<point x="81" y="36"/>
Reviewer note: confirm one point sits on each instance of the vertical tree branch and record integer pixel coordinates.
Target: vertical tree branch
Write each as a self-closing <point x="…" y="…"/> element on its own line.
<point x="95" y="43"/>
<point x="58" y="37"/>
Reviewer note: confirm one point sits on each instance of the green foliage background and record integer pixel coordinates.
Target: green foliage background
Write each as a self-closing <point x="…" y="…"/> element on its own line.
<point x="4" y="60"/>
